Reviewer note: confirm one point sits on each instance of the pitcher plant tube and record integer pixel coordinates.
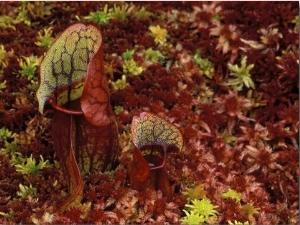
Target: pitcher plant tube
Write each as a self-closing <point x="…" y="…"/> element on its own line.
<point x="84" y="130"/>
<point x="153" y="137"/>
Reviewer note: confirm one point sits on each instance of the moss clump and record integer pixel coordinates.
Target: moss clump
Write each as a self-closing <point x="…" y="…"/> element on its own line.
<point x="130" y="66"/>
<point x="200" y="211"/>
<point x="159" y="34"/>
<point x="232" y="194"/>
<point x="241" y="75"/>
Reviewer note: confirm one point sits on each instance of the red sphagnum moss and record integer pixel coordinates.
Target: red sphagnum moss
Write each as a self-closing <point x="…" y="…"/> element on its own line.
<point x="245" y="140"/>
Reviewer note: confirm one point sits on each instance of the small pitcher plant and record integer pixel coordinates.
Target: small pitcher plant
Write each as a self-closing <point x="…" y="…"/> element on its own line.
<point x="153" y="137"/>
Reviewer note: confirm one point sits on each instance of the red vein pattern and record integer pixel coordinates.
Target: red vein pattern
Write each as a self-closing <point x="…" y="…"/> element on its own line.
<point x="95" y="96"/>
<point x="148" y="129"/>
<point x="64" y="67"/>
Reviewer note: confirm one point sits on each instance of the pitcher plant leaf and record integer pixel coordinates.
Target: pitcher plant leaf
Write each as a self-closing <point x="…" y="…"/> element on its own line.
<point x="64" y="67"/>
<point x="95" y="96"/>
<point x="149" y="129"/>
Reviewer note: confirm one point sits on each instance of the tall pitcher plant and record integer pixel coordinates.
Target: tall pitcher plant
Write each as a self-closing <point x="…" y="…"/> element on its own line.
<point x="84" y="130"/>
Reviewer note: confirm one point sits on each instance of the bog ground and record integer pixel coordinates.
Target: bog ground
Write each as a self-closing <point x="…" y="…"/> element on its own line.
<point x="224" y="73"/>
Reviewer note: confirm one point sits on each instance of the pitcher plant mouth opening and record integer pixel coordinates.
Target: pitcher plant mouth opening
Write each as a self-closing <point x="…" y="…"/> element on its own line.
<point x="65" y="110"/>
<point x="155" y="155"/>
